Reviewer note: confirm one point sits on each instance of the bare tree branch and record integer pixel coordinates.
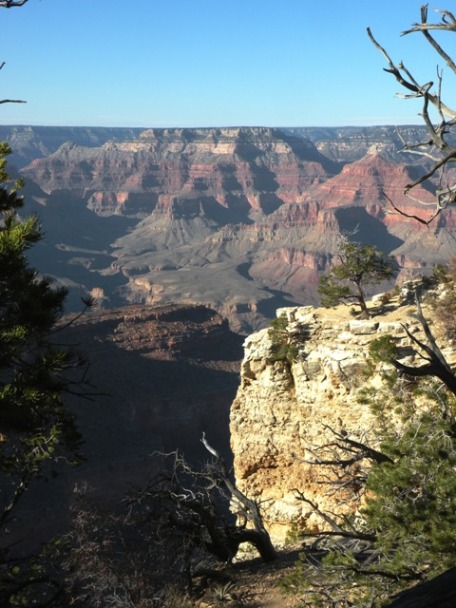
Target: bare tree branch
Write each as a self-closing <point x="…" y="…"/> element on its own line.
<point x="12" y="101"/>
<point x="424" y="26"/>
<point x="410" y="84"/>
<point x="444" y="153"/>
<point x="336" y="529"/>
<point x="437" y="364"/>
<point x="443" y="161"/>
<point x="367" y="450"/>
<point x="2" y="65"/>
<point x="249" y="508"/>
<point x="411" y="215"/>
<point x="197" y="505"/>
<point x="12" y="3"/>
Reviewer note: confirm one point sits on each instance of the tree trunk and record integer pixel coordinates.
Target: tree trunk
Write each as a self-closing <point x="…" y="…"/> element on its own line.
<point x="361" y="301"/>
<point x="439" y="592"/>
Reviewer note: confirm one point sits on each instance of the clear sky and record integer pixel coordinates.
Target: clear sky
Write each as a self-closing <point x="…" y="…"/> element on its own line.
<point x="189" y="63"/>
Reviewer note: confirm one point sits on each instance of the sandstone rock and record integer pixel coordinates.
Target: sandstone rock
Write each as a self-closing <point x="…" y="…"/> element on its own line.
<point x="363" y="327"/>
<point x="283" y="411"/>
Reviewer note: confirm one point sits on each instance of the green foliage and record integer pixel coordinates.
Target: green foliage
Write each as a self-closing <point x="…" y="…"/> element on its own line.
<point x="383" y="349"/>
<point x="32" y="417"/>
<point x="358" y="266"/>
<point x="406" y="528"/>
<point x="441" y="274"/>
<point x="36" y="430"/>
<point x="444" y="306"/>
<point x="331" y="293"/>
<point x="412" y="504"/>
<point x="283" y="348"/>
<point x="294" y="534"/>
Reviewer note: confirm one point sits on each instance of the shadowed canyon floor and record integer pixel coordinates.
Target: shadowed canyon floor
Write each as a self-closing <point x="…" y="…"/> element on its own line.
<point x="161" y="376"/>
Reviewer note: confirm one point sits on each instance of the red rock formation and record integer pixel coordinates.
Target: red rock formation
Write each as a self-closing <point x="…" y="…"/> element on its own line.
<point x="213" y="162"/>
<point x="242" y="219"/>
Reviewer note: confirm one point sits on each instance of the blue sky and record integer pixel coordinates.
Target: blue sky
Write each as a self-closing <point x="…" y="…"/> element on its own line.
<point x="189" y="63"/>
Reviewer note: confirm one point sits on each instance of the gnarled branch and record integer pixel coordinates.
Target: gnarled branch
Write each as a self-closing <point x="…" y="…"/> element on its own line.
<point x="436" y="364"/>
<point x="438" y="133"/>
<point x="12" y="3"/>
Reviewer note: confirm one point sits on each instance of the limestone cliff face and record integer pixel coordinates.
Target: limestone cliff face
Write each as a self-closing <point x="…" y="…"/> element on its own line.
<point x="30" y="142"/>
<point x="282" y="411"/>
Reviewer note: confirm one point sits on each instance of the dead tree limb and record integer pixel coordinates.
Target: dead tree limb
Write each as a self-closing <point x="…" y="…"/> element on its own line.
<point x="196" y="506"/>
<point x="12" y="101"/>
<point x="258" y="535"/>
<point x="411" y="215"/>
<point x="365" y="450"/>
<point x="430" y="352"/>
<point x="336" y="529"/>
<point x="443" y="152"/>
<point x="2" y="65"/>
<point x="12" y="3"/>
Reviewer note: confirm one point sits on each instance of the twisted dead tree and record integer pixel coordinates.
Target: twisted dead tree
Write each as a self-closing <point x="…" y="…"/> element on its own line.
<point x="204" y="508"/>
<point x="438" y="147"/>
<point x="435" y="363"/>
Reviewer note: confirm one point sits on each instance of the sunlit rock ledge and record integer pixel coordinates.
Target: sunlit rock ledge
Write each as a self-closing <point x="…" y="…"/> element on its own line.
<point x="283" y="410"/>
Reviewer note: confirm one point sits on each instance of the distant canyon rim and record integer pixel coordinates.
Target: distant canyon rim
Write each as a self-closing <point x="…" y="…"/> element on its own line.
<point x="243" y="220"/>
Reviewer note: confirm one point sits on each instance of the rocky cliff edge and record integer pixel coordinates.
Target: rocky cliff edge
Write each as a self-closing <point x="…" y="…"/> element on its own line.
<point x="283" y="410"/>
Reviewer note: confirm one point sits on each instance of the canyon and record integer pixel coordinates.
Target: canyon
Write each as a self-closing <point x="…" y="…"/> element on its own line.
<point x="243" y="220"/>
<point x="189" y="238"/>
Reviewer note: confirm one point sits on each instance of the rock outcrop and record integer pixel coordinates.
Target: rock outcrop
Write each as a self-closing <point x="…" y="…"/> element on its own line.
<point x="341" y="144"/>
<point x="236" y="169"/>
<point x="283" y="412"/>
<point x="348" y="144"/>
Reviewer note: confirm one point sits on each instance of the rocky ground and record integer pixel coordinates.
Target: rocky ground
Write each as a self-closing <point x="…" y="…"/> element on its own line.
<point x="284" y="411"/>
<point x="246" y="584"/>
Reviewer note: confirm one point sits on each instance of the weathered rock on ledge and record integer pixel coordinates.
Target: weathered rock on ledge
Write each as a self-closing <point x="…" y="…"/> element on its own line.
<point x="282" y="410"/>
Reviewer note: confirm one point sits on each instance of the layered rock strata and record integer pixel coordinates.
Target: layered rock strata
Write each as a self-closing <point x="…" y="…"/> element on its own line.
<point x="243" y="220"/>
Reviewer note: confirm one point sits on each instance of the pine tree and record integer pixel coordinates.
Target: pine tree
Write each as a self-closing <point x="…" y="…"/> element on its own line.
<point x="358" y="266"/>
<point x="403" y="487"/>
<point x="35" y="427"/>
